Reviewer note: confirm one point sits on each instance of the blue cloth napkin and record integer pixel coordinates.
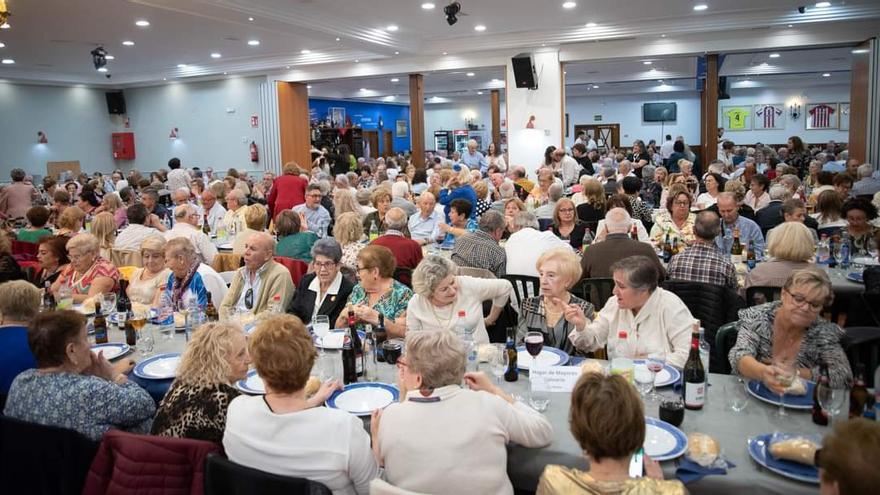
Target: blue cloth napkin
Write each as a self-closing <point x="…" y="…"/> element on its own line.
<point x="689" y="471"/>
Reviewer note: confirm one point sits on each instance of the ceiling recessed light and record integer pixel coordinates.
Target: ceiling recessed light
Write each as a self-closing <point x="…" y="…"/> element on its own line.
<point x="142" y="23"/>
<point x="428" y="6"/>
<point x="591" y="24"/>
<point x="392" y="28"/>
<point x="102" y="69"/>
<point x="569" y="5"/>
<point x="470" y="74"/>
<point x="128" y="43"/>
<point x="860" y="50"/>
<point x="662" y="35"/>
<point x="822" y="5"/>
<point x="363" y="89"/>
<point x="480" y="27"/>
<point x="224" y="73"/>
<point x="826" y="74"/>
<point x="647" y="62"/>
<point x="595" y="86"/>
<point x="251" y="19"/>
<point x="8" y="61"/>
<point x="774" y="55"/>
<point x="254" y="42"/>
<point x="496" y="80"/>
<point x="3" y="45"/>
<point x="305" y="52"/>
<point x="5" y="25"/>
<point x="164" y="78"/>
<point x="181" y="66"/>
<point x="216" y="55"/>
<point x="700" y="6"/>
<point x="108" y="57"/>
<point x="287" y="67"/>
<point x="479" y="92"/>
<point x="394" y="79"/>
<point x="357" y="61"/>
<point x="397" y="53"/>
<point x="445" y="53"/>
<point x="338" y="39"/>
<point x="308" y="86"/>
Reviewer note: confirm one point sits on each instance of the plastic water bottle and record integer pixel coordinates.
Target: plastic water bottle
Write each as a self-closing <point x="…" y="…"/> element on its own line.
<point x="845" y="251"/>
<point x="466" y="335"/>
<point x="823" y="251"/>
<point x="371" y="366"/>
<point x="374" y="231"/>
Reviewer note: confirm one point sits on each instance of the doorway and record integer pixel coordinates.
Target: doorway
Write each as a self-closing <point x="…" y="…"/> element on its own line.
<point x="388" y="144"/>
<point x="605" y="135"/>
<point x="372" y="138"/>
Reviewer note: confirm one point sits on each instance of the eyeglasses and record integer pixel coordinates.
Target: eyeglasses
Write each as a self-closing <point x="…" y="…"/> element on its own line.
<point x="249" y="299"/>
<point x="681" y="203"/>
<point x="361" y="268"/>
<point x="313" y="195"/>
<point x="801" y="301"/>
<point x="324" y="265"/>
<point x="566" y="210"/>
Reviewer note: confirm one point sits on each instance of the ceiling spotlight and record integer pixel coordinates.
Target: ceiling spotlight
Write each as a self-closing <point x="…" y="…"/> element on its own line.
<point x="181" y="66"/>
<point x="774" y="55"/>
<point x="662" y="35"/>
<point x="394" y="79"/>
<point x="445" y="53"/>
<point x="479" y="92"/>
<point x="102" y="69"/>
<point x="7" y="61"/>
<point x="128" y="43"/>
<point x="363" y="89"/>
<point x="452" y="10"/>
<point x="251" y="19"/>
<point x="700" y="6"/>
<point x="305" y="52"/>
<point x="470" y="74"/>
<point x="142" y="23"/>
<point x="308" y="86"/>
<point x="496" y="81"/>
<point x="647" y="62"/>
<point x="822" y="5"/>
<point x="287" y="67"/>
<point x="392" y="28"/>
<point x="338" y="39"/>
<point x="827" y="74"/>
<point x="216" y="55"/>
<point x="480" y="28"/>
<point x="108" y="57"/>
<point x="856" y="51"/>
<point x="397" y="53"/>
<point x="254" y="42"/>
<point x="595" y="86"/>
<point x="99" y="57"/>
<point x="428" y="6"/>
<point x="591" y="24"/>
<point x="357" y="61"/>
<point x="224" y="73"/>
<point x="569" y="5"/>
<point x="2" y="45"/>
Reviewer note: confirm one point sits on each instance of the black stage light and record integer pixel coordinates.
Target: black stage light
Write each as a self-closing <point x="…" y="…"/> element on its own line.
<point x="451" y="12"/>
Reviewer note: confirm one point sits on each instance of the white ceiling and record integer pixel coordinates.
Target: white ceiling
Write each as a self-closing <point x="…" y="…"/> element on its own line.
<point x="50" y="40"/>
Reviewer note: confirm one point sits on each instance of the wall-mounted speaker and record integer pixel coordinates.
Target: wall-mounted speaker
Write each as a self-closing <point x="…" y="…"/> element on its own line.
<point x="115" y="102"/>
<point x="723" y="94"/>
<point x="524" y="71"/>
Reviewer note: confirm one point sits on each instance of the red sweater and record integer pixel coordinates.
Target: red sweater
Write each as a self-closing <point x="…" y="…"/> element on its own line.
<point x="407" y="252"/>
<point x="287" y="192"/>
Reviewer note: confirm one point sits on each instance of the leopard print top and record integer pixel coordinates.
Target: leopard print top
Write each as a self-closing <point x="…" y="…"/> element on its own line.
<point x="189" y="411"/>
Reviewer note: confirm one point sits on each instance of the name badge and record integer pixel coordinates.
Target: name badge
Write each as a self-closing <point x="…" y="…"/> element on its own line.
<point x="555" y="378"/>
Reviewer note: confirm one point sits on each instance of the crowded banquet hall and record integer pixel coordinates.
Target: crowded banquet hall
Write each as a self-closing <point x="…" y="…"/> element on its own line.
<point x="625" y="248"/>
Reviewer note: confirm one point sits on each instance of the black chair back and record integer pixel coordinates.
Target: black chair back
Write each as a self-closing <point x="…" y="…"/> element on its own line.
<point x="521" y="285"/>
<point x="595" y="290"/>
<point x="829" y="231"/>
<point x="224" y="477"/>
<point x="756" y="295"/>
<point x="725" y="339"/>
<point x="545" y="224"/>
<point x="43" y="460"/>
<point x="403" y="275"/>
<point x="862" y="346"/>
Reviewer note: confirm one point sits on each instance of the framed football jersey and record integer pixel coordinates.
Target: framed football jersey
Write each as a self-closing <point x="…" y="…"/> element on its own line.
<point x="736" y="118"/>
<point x="821" y="116"/>
<point x="769" y="116"/>
<point x="844" y="116"/>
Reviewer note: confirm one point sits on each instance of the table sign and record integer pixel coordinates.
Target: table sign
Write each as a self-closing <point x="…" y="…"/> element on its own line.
<point x="555" y="378"/>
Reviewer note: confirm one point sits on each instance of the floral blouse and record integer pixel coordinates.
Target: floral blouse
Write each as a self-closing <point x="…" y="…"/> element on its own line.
<point x="84" y="403"/>
<point x="862" y="244"/>
<point x="392" y="304"/>
<point x="350" y="254"/>
<point x="101" y="268"/>
<point x="190" y="411"/>
<point x="663" y="223"/>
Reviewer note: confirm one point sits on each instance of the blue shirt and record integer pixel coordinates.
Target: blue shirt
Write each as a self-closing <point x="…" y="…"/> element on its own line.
<point x="749" y="232"/>
<point x="424" y="228"/>
<point x="196" y="289"/>
<point x="834" y="167"/>
<point x="15" y="355"/>
<point x="475" y="161"/>
<point x="318" y="219"/>
<point x="465" y="192"/>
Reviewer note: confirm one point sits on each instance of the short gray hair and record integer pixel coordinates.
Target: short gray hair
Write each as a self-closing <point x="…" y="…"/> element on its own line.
<point x="395" y="219"/>
<point x="707" y="225"/>
<point x="555" y="191"/>
<point x="617" y="221"/>
<point x="491" y="220"/>
<point x="430" y="272"/>
<point x="865" y="170"/>
<point x="327" y="247"/>
<point x="183" y="211"/>
<point x="648" y="172"/>
<point x="790" y="181"/>
<point x="608" y="172"/>
<point x="639" y="272"/>
<point x="525" y="219"/>
<point x="506" y="190"/>
<point x="325" y="186"/>
<point x="779" y="192"/>
<point x="438" y="356"/>
<point x="239" y="196"/>
<point x="399" y="189"/>
<point x="342" y="179"/>
<point x="363" y="197"/>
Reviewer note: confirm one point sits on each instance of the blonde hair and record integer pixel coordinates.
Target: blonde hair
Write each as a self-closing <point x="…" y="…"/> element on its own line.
<point x="70" y="217"/>
<point x="348" y="228"/>
<point x="153" y="243"/>
<point x="87" y="243"/>
<point x="594" y="193"/>
<point x="19" y="300"/>
<point x="380" y="193"/>
<point x="569" y="264"/>
<point x="104" y="229"/>
<point x="283" y="352"/>
<point x="344" y="201"/>
<point x="112" y="202"/>
<point x="812" y="277"/>
<point x="737" y="188"/>
<point x="439" y="357"/>
<point x="481" y="189"/>
<point x="205" y="360"/>
<point x="464" y="176"/>
<point x="559" y="204"/>
<point x="790" y="241"/>
<point x="255" y="217"/>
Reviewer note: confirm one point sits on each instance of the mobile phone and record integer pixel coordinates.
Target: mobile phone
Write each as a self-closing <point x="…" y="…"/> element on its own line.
<point x="637" y="464"/>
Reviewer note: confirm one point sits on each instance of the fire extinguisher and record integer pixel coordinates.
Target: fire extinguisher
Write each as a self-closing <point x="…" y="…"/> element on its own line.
<point x="255" y="154"/>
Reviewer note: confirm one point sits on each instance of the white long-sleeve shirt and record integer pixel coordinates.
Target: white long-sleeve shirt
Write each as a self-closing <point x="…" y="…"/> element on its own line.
<point x="204" y="247"/>
<point x="663" y="324"/>
<point x="326" y="445"/>
<point x="454" y="441"/>
<point x="421" y="314"/>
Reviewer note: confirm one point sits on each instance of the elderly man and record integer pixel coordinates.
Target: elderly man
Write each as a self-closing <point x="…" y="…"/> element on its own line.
<point x="261" y="280"/>
<point x="424" y="225"/>
<point x="554" y="193"/>
<point x="317" y="218"/>
<point x="150" y="199"/>
<point x="186" y="225"/>
<point x="132" y="236"/>
<point x="527" y="243"/>
<point x="867" y="185"/>
<point x="771" y="215"/>
<point x="617" y="245"/>
<point x="407" y="252"/>
<point x="233" y="220"/>
<point x="342" y="181"/>
<point x="401" y="198"/>
<point x="702" y="261"/>
<point x="474" y="159"/>
<point x="609" y="177"/>
<point x="213" y="211"/>
<point x="749" y="231"/>
<point x="566" y="166"/>
<point x="180" y="197"/>
<point x="794" y="210"/>
<point x="505" y="191"/>
<point x="480" y="249"/>
<point x="519" y="177"/>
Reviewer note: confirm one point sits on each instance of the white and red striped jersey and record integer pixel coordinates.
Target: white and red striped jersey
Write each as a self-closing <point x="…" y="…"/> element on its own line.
<point x="767" y="113"/>
<point x="820" y="115"/>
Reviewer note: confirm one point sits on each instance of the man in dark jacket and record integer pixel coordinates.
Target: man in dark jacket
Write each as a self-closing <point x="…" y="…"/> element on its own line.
<point x="771" y="215"/>
<point x="599" y="256"/>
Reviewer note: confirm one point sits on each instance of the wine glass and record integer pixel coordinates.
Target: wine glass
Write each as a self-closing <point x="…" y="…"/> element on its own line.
<point x="655" y="363"/>
<point x="831" y="399"/>
<point x="498" y="361"/>
<point x="108" y="303"/>
<point x="786" y="375"/>
<point x="534" y="344"/>
<point x="145" y="337"/>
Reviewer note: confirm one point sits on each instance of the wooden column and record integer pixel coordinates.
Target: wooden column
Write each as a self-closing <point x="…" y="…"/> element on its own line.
<point x="858" y="107"/>
<point x="293" y="123"/>
<point x="417" y="118"/>
<point x="709" y="103"/>
<point x="496" y="118"/>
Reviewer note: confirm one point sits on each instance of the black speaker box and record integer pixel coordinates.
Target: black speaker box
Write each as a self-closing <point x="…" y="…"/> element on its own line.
<point x="722" y="88"/>
<point x="524" y="71"/>
<point x="115" y="102"/>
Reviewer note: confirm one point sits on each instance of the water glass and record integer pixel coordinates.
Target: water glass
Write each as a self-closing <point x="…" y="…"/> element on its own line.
<point x="831" y="399"/>
<point x="736" y="394"/>
<point x="321" y="327"/>
<point x="145" y="341"/>
<point x="786" y="375"/>
<point x="108" y="303"/>
<point x="644" y="380"/>
<point x="498" y="361"/>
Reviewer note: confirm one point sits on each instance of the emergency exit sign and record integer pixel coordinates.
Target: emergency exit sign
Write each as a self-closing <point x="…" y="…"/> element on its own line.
<point x="597" y="117"/>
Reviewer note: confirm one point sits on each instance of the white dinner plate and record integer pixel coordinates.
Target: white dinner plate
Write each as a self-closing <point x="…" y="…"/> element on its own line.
<point x="159" y="367"/>
<point x="667" y="376"/>
<point x="758" y="447"/>
<point x="361" y="399"/>
<point x="550" y="356"/>
<point x="225" y="246"/>
<point x="663" y="441"/>
<point x="112" y="350"/>
<point x="865" y="260"/>
<point x="252" y="384"/>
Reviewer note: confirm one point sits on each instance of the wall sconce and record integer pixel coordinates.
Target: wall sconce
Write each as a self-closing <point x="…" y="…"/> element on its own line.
<point x="173" y="134"/>
<point x="41" y="138"/>
<point x="794" y="110"/>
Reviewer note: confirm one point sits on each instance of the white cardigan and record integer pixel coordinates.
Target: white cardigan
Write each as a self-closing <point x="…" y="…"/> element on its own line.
<point x="455" y="442"/>
<point x="664" y="323"/>
<point x="421" y="314"/>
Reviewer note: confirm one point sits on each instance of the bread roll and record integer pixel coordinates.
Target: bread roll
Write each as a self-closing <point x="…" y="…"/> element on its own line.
<point x="312" y="386"/>
<point x="702" y="449"/>
<point x="797" y="387"/>
<point x="589" y="366"/>
<point x="795" y="449"/>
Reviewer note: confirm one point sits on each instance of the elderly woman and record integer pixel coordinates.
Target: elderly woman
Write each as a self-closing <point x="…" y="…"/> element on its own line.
<point x="184" y="283"/>
<point x="458" y="186"/>
<point x="829" y="210"/>
<point x="656" y="320"/>
<point x="145" y="282"/>
<point x="293" y="241"/>
<point x="284" y="432"/>
<point x="37" y="217"/>
<point x="556" y="312"/>
<point x="758" y="197"/>
<point x="791" y="331"/>
<point x="104" y="229"/>
<point x="9" y="268"/>
<point x="441" y="296"/>
<point x="676" y="219"/>
<point x="288" y="190"/>
<point x="377" y="292"/>
<point x="323" y="291"/>
<point x="255" y="218"/>
<point x="70" y="222"/>
<point x="88" y="274"/>
<point x="859" y="214"/>
<point x="541" y="195"/>
<point x="607" y="419"/>
<point x="195" y="407"/>
<point x="593" y="207"/>
<point x="52" y="256"/>
<point x="672" y="180"/>
<point x="344" y="201"/>
<point x="348" y="232"/>
<point x="566" y="225"/>
<point x="512" y="207"/>
<point x="73" y="387"/>
<point x="19" y="304"/>
<point x="112" y="204"/>
<point x="420" y="438"/>
<point x="714" y="185"/>
<point x="790" y="246"/>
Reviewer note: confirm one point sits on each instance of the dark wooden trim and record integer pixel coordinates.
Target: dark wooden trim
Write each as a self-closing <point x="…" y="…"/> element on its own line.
<point x="417" y="118"/>
<point x="293" y="123"/>
<point x="496" y="117"/>
<point x="858" y="104"/>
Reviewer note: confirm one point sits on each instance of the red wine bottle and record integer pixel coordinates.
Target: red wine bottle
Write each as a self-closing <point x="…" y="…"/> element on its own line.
<point x="694" y="375"/>
<point x="819" y="416"/>
<point x="356" y="344"/>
